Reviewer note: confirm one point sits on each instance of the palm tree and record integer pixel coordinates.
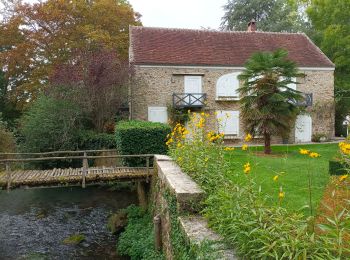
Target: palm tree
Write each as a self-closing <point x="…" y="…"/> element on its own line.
<point x="268" y="105"/>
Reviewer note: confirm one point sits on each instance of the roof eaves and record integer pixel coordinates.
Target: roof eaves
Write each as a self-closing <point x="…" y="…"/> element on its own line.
<point x="319" y="50"/>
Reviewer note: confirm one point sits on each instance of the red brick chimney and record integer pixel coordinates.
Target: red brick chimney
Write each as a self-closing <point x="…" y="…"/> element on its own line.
<point x="251" y="26"/>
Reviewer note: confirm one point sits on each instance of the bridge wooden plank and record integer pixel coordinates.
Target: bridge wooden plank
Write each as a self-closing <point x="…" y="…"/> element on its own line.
<point x="72" y="175"/>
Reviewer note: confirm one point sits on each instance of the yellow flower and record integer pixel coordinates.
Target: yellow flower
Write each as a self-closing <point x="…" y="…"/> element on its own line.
<point x="229" y="148"/>
<point x="206" y="159"/>
<point x="169" y="141"/>
<point x="246" y="168"/>
<point x="275" y="178"/>
<point x="343" y="177"/>
<point x="202" y="114"/>
<point x="304" y="151"/>
<point x="345" y="148"/>
<point x="248" y="138"/>
<point x="179" y="145"/>
<point x="281" y="195"/>
<point x="244" y="147"/>
<point x="201" y="123"/>
<point x="314" y="155"/>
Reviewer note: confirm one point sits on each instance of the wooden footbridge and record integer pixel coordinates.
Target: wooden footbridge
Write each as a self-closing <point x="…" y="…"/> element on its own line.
<point x="14" y="175"/>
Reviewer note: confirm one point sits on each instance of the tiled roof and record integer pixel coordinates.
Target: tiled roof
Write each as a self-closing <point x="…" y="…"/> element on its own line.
<point x="163" y="46"/>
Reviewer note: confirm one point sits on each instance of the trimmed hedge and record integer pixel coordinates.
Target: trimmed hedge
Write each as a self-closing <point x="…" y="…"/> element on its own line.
<point x="141" y="137"/>
<point x="336" y="167"/>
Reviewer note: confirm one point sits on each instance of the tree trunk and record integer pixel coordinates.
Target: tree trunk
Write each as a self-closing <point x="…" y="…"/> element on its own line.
<point x="267" y="139"/>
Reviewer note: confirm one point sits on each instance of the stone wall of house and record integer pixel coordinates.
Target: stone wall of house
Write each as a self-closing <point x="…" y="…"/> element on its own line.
<point x="155" y="85"/>
<point x="321" y="85"/>
<point x="169" y="180"/>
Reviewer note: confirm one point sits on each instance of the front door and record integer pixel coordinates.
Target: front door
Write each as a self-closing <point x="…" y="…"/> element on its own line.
<point x="193" y="85"/>
<point x="303" y="129"/>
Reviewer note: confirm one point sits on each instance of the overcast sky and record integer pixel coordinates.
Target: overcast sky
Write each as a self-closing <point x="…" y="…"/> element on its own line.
<point x="180" y="13"/>
<point x="193" y="14"/>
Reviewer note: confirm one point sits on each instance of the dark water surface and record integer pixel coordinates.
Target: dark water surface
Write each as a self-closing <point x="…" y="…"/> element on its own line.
<point x="34" y="223"/>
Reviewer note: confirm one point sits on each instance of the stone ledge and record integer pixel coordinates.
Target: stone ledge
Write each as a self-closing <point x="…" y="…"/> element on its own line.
<point x="162" y="157"/>
<point x="188" y="194"/>
<point x="197" y="231"/>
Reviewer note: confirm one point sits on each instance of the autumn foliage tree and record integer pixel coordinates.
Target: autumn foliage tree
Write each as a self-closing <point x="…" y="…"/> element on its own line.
<point x="96" y="81"/>
<point x="38" y="37"/>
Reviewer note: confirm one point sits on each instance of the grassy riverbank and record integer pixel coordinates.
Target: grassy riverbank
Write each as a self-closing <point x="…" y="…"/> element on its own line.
<point x="292" y="170"/>
<point x="253" y="199"/>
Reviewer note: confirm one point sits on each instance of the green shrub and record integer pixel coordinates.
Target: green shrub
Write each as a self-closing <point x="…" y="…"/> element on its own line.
<point x="319" y="137"/>
<point x="50" y="125"/>
<point x="336" y="167"/>
<point x="137" y="241"/>
<point x="178" y="115"/>
<point x="90" y="140"/>
<point x="141" y="137"/>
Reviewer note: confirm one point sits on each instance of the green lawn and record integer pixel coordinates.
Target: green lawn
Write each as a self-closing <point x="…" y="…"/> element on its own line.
<point x="295" y="166"/>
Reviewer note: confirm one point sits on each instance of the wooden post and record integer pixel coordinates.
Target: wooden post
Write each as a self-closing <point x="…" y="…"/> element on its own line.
<point x="157" y="232"/>
<point x="147" y="165"/>
<point x="8" y="174"/>
<point x="141" y="194"/>
<point x="85" y="169"/>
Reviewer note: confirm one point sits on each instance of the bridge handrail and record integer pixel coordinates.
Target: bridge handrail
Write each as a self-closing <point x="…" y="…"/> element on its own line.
<point x="76" y="157"/>
<point x="85" y="164"/>
<point x="61" y="152"/>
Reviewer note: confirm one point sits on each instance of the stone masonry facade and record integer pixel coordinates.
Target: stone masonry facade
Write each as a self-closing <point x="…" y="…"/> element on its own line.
<point x="155" y="85"/>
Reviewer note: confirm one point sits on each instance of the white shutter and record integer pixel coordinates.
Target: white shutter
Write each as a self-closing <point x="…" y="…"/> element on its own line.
<point x="158" y="114"/>
<point x="290" y="85"/>
<point x="303" y="129"/>
<point x="293" y="85"/>
<point x="227" y="85"/>
<point x="228" y="122"/>
<point x="193" y="85"/>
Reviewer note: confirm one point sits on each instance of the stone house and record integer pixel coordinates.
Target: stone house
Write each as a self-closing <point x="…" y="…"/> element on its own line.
<point x="198" y="69"/>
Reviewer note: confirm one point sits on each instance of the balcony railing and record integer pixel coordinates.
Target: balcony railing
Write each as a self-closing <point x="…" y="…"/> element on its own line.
<point x="183" y="100"/>
<point x="306" y="101"/>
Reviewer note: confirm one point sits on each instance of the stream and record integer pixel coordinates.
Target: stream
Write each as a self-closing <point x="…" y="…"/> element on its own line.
<point x="35" y="222"/>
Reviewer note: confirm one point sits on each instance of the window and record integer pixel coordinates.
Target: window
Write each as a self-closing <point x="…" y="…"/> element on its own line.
<point x="158" y="114"/>
<point x="193" y="85"/>
<point x="291" y="85"/>
<point x="228" y="122"/>
<point x="227" y="86"/>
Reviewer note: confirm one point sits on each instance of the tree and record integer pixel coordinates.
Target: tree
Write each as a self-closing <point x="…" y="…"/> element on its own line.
<point x="40" y="36"/>
<point x="268" y="105"/>
<point x="7" y="107"/>
<point x="330" y="18"/>
<point x="97" y="81"/>
<point x="7" y="139"/>
<point x="270" y="15"/>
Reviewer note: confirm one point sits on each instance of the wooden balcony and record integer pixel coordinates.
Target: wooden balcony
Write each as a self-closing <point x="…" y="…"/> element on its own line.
<point x="305" y="102"/>
<point x="189" y="100"/>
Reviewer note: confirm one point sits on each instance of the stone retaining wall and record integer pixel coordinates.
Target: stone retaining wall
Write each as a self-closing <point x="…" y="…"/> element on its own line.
<point x="170" y="180"/>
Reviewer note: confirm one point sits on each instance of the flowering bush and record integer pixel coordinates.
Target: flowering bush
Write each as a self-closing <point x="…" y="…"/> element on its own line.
<point x="239" y="211"/>
<point x="344" y="148"/>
